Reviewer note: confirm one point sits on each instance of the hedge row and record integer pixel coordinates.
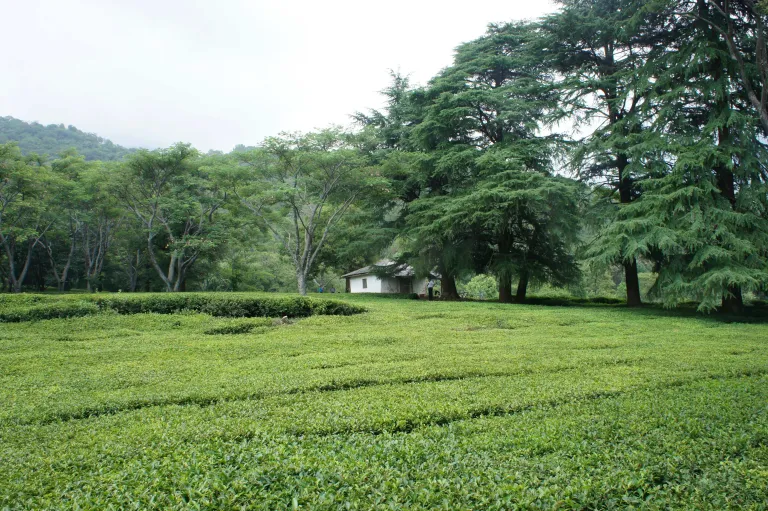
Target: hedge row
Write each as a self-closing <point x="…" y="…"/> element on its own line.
<point x="214" y="304"/>
<point x="63" y="309"/>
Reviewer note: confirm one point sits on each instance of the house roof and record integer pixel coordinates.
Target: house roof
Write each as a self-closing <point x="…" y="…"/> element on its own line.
<point x="404" y="270"/>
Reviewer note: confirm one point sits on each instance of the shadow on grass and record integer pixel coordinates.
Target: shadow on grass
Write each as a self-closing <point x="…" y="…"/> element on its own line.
<point x="757" y="312"/>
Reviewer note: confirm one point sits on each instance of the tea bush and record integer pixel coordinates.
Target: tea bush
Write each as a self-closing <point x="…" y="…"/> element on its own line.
<point x="34" y="311"/>
<point x="17" y="308"/>
<point x="414" y="405"/>
<point x="239" y="326"/>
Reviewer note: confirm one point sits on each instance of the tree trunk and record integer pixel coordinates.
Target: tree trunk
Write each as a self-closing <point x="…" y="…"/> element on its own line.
<point x="633" y="284"/>
<point x="448" y="289"/>
<point x="733" y="302"/>
<point x="505" y="287"/>
<point x="18" y="281"/>
<point x="522" y="287"/>
<point x="630" y="267"/>
<point x="302" y="283"/>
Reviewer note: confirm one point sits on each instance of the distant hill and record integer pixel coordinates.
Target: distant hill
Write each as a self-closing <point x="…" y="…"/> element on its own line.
<point x="54" y="138"/>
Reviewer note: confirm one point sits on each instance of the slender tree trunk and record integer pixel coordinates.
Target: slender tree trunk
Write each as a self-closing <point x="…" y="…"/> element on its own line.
<point x="18" y="280"/>
<point x="448" y="289"/>
<point x="134" y="275"/>
<point x="522" y="287"/>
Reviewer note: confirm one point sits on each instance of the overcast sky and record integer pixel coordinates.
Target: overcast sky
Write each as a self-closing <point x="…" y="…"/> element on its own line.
<point x="219" y="73"/>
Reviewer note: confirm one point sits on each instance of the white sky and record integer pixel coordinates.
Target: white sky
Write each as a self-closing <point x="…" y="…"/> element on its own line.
<point x="218" y="73"/>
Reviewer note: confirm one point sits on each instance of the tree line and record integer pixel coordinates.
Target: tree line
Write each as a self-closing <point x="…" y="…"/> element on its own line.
<point x="609" y="134"/>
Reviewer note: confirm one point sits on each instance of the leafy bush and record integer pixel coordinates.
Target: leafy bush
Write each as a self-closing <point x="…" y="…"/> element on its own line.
<point x="226" y="306"/>
<point x="15" y="314"/>
<point x="481" y="287"/>
<point x="29" y="308"/>
<point x="239" y="326"/>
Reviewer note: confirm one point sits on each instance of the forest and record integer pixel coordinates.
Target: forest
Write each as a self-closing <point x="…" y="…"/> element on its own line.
<point x="613" y="141"/>
<point x="55" y="138"/>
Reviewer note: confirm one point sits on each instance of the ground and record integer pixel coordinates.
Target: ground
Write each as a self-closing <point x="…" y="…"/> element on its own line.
<point x="413" y="405"/>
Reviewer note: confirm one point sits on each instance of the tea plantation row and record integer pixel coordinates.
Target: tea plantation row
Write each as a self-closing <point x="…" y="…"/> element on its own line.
<point x="412" y="405"/>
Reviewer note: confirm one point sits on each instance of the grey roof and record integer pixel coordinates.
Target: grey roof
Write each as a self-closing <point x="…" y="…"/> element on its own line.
<point x="403" y="270"/>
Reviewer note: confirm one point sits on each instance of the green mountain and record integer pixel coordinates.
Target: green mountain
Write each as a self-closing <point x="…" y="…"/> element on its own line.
<point x="54" y="138"/>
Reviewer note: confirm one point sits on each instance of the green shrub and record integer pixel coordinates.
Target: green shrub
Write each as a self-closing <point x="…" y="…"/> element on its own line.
<point x="16" y="314"/>
<point x="239" y="326"/>
<point x="481" y="287"/>
<point x="17" y="308"/>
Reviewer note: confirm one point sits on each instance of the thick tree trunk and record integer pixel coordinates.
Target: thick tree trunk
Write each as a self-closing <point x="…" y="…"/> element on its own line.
<point x="301" y="280"/>
<point x="733" y="303"/>
<point x="505" y="287"/>
<point x="522" y="287"/>
<point x="630" y="267"/>
<point x="633" y="284"/>
<point x="448" y="289"/>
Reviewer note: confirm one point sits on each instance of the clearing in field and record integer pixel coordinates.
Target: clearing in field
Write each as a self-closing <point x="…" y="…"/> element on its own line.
<point x="410" y="405"/>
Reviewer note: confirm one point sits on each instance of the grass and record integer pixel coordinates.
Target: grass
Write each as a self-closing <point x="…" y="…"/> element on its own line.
<point x="412" y="405"/>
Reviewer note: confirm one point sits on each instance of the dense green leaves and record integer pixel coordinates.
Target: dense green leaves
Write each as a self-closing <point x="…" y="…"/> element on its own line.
<point x="34" y="138"/>
<point x="394" y="408"/>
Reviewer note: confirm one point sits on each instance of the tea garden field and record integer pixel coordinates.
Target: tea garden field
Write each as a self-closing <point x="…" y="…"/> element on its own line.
<point x="409" y="405"/>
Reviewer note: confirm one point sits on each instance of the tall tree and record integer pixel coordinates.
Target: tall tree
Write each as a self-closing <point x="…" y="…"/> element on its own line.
<point x="99" y="221"/>
<point x="23" y="223"/>
<point x="300" y="187"/>
<point x="704" y="221"/>
<point x="482" y="121"/>
<point x="599" y="48"/>
<point x="176" y="204"/>
<point x="69" y="205"/>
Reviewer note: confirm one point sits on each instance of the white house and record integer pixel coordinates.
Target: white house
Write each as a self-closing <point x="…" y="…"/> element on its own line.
<point x="402" y="280"/>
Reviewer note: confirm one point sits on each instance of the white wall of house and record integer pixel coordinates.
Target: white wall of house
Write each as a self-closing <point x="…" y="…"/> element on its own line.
<point x="373" y="284"/>
<point x="389" y="285"/>
<point x="420" y="286"/>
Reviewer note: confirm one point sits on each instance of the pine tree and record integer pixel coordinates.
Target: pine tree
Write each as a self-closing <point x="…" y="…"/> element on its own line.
<point x="704" y="221"/>
<point x="599" y="49"/>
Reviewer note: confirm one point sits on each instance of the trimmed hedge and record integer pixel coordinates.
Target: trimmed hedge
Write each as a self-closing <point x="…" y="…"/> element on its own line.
<point x="16" y="314"/>
<point x="241" y="326"/>
<point x="214" y="304"/>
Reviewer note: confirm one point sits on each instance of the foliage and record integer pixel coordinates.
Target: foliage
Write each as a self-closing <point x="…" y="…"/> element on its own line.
<point x="229" y="305"/>
<point x="24" y="193"/>
<point x="34" y="138"/>
<point x="580" y="407"/>
<point x="300" y="187"/>
<point x="480" y="287"/>
<point x="14" y="313"/>
<point x="239" y="326"/>
<point x="176" y="204"/>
